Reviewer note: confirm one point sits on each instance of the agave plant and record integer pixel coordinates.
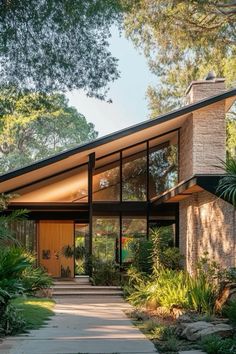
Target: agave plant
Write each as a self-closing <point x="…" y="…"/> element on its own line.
<point x="227" y="184"/>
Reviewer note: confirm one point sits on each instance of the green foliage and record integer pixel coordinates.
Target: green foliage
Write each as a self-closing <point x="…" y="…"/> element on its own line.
<point x="142" y="255"/>
<point x="202" y="294"/>
<point x="63" y="47"/>
<point x="11" y="322"/>
<point x="227" y="185"/>
<point x="183" y="41"/>
<point x="230" y="311"/>
<point x="166" y="287"/>
<point x="78" y="252"/>
<point x="34" y="279"/>
<point x="35" y="125"/>
<point x="105" y="273"/>
<point x="163" y="253"/>
<point x="217" y="345"/>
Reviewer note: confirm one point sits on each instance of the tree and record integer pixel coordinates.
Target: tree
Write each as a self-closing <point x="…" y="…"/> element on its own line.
<point x="36" y="125"/>
<point x="183" y="41"/>
<point x="227" y="185"/>
<point x="50" y="45"/>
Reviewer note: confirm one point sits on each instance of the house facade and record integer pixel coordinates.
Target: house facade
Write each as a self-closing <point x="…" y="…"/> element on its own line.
<point x="105" y="194"/>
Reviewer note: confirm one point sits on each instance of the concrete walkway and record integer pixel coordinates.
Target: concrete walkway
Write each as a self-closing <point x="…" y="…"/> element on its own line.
<point x="83" y="325"/>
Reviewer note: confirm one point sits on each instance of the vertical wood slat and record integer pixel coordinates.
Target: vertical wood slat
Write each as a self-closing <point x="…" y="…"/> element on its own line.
<point x="53" y="236"/>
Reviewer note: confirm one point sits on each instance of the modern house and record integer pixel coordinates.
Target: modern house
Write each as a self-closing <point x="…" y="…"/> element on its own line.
<point x="108" y="192"/>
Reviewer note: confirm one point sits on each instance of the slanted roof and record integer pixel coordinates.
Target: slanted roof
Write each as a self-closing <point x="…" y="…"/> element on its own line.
<point x="110" y="143"/>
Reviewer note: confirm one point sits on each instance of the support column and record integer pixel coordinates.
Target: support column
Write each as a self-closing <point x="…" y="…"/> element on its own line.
<point x="91" y="165"/>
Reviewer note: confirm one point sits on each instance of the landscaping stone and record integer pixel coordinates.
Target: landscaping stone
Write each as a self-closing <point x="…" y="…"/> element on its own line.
<point x="200" y="329"/>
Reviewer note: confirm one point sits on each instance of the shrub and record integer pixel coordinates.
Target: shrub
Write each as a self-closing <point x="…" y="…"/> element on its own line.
<point x="11" y="321"/>
<point x="202" y="294"/>
<point x="105" y="272"/>
<point x="165" y="288"/>
<point x="142" y="250"/>
<point x="163" y="253"/>
<point x="34" y="279"/>
<point x="230" y="311"/>
<point x="217" y="345"/>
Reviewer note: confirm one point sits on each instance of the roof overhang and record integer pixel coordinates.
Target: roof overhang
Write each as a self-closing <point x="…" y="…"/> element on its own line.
<point x="111" y="143"/>
<point x="185" y="189"/>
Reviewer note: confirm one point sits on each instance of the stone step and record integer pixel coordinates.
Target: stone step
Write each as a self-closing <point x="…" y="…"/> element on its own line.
<point x="85" y="287"/>
<point x="87" y="293"/>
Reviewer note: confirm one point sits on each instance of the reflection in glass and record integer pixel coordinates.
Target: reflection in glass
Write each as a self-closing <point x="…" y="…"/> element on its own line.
<point x="81" y="248"/>
<point x="106" y="179"/>
<point x="134" y="177"/>
<point x="133" y="230"/>
<point x="106" y="232"/>
<point x="24" y="231"/>
<point x="163" y="169"/>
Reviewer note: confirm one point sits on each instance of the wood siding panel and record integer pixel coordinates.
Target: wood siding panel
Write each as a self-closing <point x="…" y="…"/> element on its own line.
<point x="53" y="235"/>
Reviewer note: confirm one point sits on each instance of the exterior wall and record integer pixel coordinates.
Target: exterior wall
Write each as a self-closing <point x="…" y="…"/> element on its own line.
<point x="207" y="224"/>
<point x="203" y="135"/>
<point x="202" y="142"/>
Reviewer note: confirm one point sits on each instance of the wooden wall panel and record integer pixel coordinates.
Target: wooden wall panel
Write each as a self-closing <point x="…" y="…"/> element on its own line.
<point x="53" y="236"/>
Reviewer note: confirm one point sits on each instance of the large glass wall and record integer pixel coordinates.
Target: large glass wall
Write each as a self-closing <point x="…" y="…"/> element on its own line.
<point x="133" y="230"/>
<point x="163" y="168"/>
<point x="147" y="170"/>
<point x="106" y="231"/>
<point x="106" y="179"/>
<point x="81" y="248"/>
<point x="134" y="173"/>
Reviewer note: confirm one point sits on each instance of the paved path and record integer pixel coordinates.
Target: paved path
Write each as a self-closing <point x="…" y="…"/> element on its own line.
<point x="84" y="325"/>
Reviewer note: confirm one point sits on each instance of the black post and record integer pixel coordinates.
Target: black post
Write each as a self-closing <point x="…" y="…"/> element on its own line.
<point x="91" y="165"/>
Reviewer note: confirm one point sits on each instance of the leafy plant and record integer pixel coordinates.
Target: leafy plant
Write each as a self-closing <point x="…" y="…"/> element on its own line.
<point x="34" y="279"/>
<point x="11" y="322"/>
<point x="163" y="253"/>
<point x="202" y="294"/>
<point x="216" y="345"/>
<point x="230" y="311"/>
<point x="105" y="272"/>
<point x="227" y="184"/>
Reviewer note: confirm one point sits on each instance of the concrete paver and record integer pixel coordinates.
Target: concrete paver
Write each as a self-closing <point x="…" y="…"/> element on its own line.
<point x="83" y="325"/>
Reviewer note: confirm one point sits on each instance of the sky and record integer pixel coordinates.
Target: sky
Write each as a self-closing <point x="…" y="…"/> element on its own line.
<point x="129" y="105"/>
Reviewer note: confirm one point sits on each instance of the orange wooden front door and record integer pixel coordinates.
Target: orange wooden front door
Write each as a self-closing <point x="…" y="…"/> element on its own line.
<point x="52" y="237"/>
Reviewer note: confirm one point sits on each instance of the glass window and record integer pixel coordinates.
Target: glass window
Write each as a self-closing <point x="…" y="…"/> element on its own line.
<point x="106" y="179"/>
<point x="163" y="168"/>
<point x="106" y="231"/>
<point x="134" y="174"/>
<point x="133" y="230"/>
<point x="81" y="248"/>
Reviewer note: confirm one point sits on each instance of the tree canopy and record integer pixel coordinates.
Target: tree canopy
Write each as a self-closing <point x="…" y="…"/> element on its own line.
<point x="35" y="125"/>
<point x="183" y="41"/>
<point x="49" y="45"/>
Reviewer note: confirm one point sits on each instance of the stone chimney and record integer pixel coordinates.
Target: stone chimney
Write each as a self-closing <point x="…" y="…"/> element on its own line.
<point x="200" y="89"/>
<point x="203" y="135"/>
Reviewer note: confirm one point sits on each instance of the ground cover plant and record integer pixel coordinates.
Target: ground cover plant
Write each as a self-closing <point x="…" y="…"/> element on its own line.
<point x="35" y="312"/>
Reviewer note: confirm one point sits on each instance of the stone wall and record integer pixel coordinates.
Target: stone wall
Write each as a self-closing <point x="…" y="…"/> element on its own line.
<point x="202" y="142"/>
<point x="207" y="224"/>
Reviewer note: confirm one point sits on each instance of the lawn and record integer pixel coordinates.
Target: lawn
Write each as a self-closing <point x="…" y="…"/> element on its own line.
<point x="36" y="312"/>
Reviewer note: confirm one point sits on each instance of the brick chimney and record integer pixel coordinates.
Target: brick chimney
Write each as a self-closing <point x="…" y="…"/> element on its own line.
<point x="203" y="135"/>
<point x="200" y="89"/>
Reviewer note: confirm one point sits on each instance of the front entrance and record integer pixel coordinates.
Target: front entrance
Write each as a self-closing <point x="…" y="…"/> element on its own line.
<point x="52" y="237"/>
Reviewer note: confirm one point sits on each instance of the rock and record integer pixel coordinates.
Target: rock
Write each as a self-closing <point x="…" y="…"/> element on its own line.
<point x="227" y="294"/>
<point x="184" y="319"/>
<point x="197" y="330"/>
